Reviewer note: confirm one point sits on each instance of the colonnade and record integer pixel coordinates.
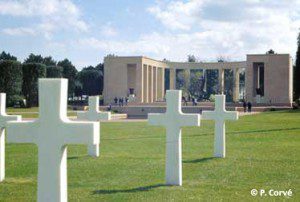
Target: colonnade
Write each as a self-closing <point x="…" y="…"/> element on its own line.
<point x="153" y="83"/>
<point x="221" y="78"/>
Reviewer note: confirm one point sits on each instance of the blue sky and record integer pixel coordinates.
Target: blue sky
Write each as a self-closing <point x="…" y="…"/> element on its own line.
<point x="86" y="30"/>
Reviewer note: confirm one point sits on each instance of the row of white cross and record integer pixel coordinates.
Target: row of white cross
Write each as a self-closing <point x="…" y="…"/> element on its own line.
<point x="53" y="131"/>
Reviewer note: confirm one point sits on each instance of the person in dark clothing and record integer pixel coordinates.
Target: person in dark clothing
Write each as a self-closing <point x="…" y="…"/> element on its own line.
<point x="249" y="107"/>
<point x="184" y="101"/>
<point x="116" y="100"/>
<point x="245" y="106"/>
<point x="120" y="102"/>
<point x="126" y="100"/>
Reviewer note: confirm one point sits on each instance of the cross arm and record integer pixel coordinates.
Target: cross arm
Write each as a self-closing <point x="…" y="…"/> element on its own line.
<point x="21" y="132"/>
<point x="81" y="132"/>
<point x="189" y="119"/>
<point x="231" y="115"/>
<point x="82" y="115"/>
<point x="4" y="119"/>
<point x="208" y="115"/>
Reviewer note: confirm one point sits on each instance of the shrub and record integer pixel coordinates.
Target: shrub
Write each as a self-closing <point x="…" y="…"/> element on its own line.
<point x="10" y="80"/>
<point x="31" y="73"/>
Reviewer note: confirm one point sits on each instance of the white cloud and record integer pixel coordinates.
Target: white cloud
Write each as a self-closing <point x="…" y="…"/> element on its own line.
<point x="20" y="31"/>
<point x="229" y="27"/>
<point x="52" y="15"/>
<point x="108" y="30"/>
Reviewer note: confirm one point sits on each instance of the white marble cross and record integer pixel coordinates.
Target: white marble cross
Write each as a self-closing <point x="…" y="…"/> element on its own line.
<point x="173" y="120"/>
<point x="93" y="114"/>
<point x="220" y="115"/>
<point x="4" y="118"/>
<point x="52" y="131"/>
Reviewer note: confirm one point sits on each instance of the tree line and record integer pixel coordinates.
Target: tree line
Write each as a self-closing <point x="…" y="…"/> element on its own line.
<point x="19" y="80"/>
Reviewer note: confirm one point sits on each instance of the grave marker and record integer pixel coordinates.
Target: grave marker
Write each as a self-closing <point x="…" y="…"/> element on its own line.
<point x="173" y="120"/>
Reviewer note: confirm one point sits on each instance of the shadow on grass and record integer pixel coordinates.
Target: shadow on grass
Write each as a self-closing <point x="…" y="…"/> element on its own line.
<point x="265" y="131"/>
<point x="138" y="189"/>
<point x="77" y="157"/>
<point x="198" y="160"/>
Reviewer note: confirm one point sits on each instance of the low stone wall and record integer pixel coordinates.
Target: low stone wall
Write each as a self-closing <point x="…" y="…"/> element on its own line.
<point x="142" y="111"/>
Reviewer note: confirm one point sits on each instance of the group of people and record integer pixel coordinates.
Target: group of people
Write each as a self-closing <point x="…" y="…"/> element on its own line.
<point x="185" y="101"/>
<point x="121" y="101"/>
<point x="247" y="106"/>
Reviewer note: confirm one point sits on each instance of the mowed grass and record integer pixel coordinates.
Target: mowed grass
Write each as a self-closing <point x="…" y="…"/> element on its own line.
<point x="30" y="112"/>
<point x="263" y="152"/>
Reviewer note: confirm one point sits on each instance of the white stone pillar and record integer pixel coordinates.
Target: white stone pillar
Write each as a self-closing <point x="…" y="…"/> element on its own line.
<point x="146" y="81"/>
<point x="236" y="85"/>
<point x="172" y="79"/>
<point x="155" y="78"/>
<point x="163" y="83"/>
<point x="150" y="71"/>
<point x="221" y="81"/>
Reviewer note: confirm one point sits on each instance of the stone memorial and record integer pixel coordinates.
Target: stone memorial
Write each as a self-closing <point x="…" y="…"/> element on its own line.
<point x="93" y="114"/>
<point x="173" y="120"/>
<point x="220" y="115"/>
<point x="52" y="131"/>
<point x="4" y="118"/>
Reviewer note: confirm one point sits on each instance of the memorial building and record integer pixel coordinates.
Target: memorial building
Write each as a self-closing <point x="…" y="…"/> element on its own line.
<point x="268" y="78"/>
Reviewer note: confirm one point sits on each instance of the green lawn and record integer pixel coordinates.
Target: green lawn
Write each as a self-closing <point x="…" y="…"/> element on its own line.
<point x="30" y="112"/>
<point x="263" y="152"/>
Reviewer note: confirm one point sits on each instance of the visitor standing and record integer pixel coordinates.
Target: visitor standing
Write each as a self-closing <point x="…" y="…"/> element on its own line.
<point x="245" y="106"/>
<point x="249" y="107"/>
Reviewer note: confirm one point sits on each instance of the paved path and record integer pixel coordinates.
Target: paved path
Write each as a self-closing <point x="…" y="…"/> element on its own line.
<point x="141" y="120"/>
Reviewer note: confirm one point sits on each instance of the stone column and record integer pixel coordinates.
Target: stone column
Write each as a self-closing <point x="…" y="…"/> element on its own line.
<point x="205" y="80"/>
<point x="139" y="85"/>
<point x="150" y="84"/>
<point x="145" y="83"/>
<point x="236" y="85"/>
<point x="221" y="81"/>
<point x="155" y="78"/>
<point x="172" y="79"/>
<point x="187" y="74"/>
<point x="162" y="83"/>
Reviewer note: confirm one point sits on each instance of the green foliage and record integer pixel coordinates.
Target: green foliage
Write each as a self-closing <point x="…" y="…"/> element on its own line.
<point x="196" y="84"/>
<point x="32" y="58"/>
<point x="191" y="58"/>
<point x="69" y="72"/>
<point x="48" y="61"/>
<point x="10" y="80"/>
<point x="297" y="73"/>
<point x="91" y="78"/>
<point x="212" y="82"/>
<point x="54" y="72"/>
<point x="31" y="73"/>
<point x="228" y="84"/>
<point x="7" y="56"/>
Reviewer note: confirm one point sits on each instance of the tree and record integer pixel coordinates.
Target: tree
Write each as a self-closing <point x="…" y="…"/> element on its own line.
<point x="7" y="56"/>
<point x="197" y="84"/>
<point x="100" y="67"/>
<point x="270" y="52"/>
<point x="11" y="80"/>
<point x="34" y="59"/>
<point x="54" y="72"/>
<point x="90" y="78"/>
<point x="191" y="58"/>
<point x="48" y="61"/>
<point x="69" y="72"/>
<point x="31" y="73"/>
<point x="212" y="82"/>
<point x="297" y="73"/>
<point x="228" y="84"/>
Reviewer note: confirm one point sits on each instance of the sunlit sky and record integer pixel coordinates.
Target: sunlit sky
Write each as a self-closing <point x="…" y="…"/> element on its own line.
<point x="84" y="31"/>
